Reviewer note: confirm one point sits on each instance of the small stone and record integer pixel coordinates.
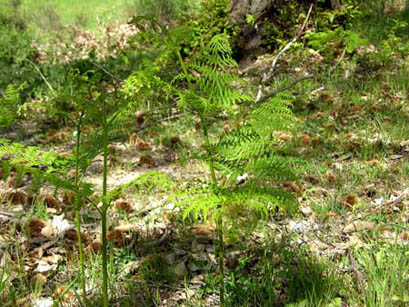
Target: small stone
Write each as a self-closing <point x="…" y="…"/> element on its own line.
<point x="179" y="269"/>
<point x="193" y="267"/>
<point x="306" y="211"/>
<point x="170" y="258"/>
<point x="197" y="247"/>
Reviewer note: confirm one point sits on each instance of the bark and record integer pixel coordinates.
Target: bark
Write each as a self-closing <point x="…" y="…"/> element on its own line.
<point x="240" y="8"/>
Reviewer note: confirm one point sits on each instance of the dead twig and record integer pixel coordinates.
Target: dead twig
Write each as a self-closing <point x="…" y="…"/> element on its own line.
<point x="356" y="272"/>
<point x="292" y="84"/>
<point x="107" y="72"/>
<point x="41" y="75"/>
<point x="267" y="76"/>
<point x="393" y="202"/>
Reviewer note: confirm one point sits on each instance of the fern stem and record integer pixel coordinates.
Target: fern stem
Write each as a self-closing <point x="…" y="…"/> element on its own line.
<point x="104" y="210"/>
<point x="104" y="258"/>
<point x="77" y="210"/>
<point x="209" y="151"/>
<point x="220" y="240"/>
<point x="219" y="223"/>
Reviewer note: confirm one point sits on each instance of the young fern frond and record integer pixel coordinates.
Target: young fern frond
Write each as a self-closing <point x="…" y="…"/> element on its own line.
<point x="43" y="166"/>
<point x="9" y="104"/>
<point x="253" y="148"/>
<point x="211" y="75"/>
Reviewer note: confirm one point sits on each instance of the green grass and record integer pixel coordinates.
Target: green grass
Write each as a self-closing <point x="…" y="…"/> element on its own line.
<point x="386" y="274"/>
<point x="71" y="11"/>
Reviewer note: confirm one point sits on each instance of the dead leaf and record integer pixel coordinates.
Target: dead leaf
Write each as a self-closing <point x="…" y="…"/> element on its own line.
<point x="35" y="227"/>
<point x="147" y="160"/>
<point x="351" y="199"/>
<point x="358" y="226"/>
<point x="17" y="197"/>
<point x="51" y="202"/>
<point x="124" y="205"/>
<point x="306" y="139"/>
<point x="373" y="162"/>
<point x="57" y="227"/>
<point x="331" y="177"/>
<point x="396" y="157"/>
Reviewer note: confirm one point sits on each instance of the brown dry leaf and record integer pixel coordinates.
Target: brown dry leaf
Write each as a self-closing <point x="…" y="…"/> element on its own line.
<point x="68" y="198"/>
<point x="147" y="160"/>
<point x="16" y="197"/>
<point x="350" y="136"/>
<point x="316" y="140"/>
<point x="140" y="119"/>
<point x="226" y="128"/>
<point x="71" y="235"/>
<point x="95" y="246"/>
<point x="38" y="279"/>
<point x="331" y="214"/>
<point x="306" y="139"/>
<point x="331" y="177"/>
<point x="71" y="174"/>
<point x="351" y="199"/>
<point x="175" y="141"/>
<point x="291" y="187"/>
<point x="143" y="145"/>
<point x="285" y="137"/>
<point x="404" y="236"/>
<point x="198" y="126"/>
<point x="358" y="226"/>
<point x="67" y="295"/>
<point x="51" y="202"/>
<point x="12" y="180"/>
<point x="203" y="232"/>
<point x="133" y="138"/>
<point x="124" y="205"/>
<point x="35" y="227"/>
<point x="113" y="149"/>
<point x="373" y="162"/>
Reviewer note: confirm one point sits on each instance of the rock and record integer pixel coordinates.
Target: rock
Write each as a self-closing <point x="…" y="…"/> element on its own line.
<point x="193" y="267"/>
<point x="179" y="269"/>
<point x="306" y="211"/>
<point x="197" y="247"/>
<point x="170" y="258"/>
<point x="43" y="302"/>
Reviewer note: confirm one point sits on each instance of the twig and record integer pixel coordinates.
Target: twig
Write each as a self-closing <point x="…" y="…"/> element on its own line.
<point x="107" y="72"/>
<point x="148" y="244"/>
<point x="7" y="214"/>
<point x="294" y="82"/>
<point x="41" y="75"/>
<point x="286" y="47"/>
<point x="396" y="201"/>
<point x="267" y="76"/>
<point x="322" y="240"/>
<point x="338" y="62"/>
<point x="356" y="272"/>
<point x="173" y="116"/>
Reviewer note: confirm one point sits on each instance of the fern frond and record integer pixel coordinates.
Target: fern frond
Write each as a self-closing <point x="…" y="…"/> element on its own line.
<point x="44" y="166"/>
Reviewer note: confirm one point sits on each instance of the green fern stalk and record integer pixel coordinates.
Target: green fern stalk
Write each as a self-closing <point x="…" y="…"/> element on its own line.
<point x="78" y="201"/>
<point x="104" y="210"/>
<point x="219" y="222"/>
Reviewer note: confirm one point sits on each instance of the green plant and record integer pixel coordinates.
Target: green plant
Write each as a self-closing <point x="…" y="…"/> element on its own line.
<point x="9" y="104"/>
<point x="251" y="148"/>
<point x="164" y="10"/>
<point x="386" y="273"/>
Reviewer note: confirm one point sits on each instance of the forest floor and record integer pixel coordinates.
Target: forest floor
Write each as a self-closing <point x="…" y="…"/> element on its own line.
<point x="346" y="246"/>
